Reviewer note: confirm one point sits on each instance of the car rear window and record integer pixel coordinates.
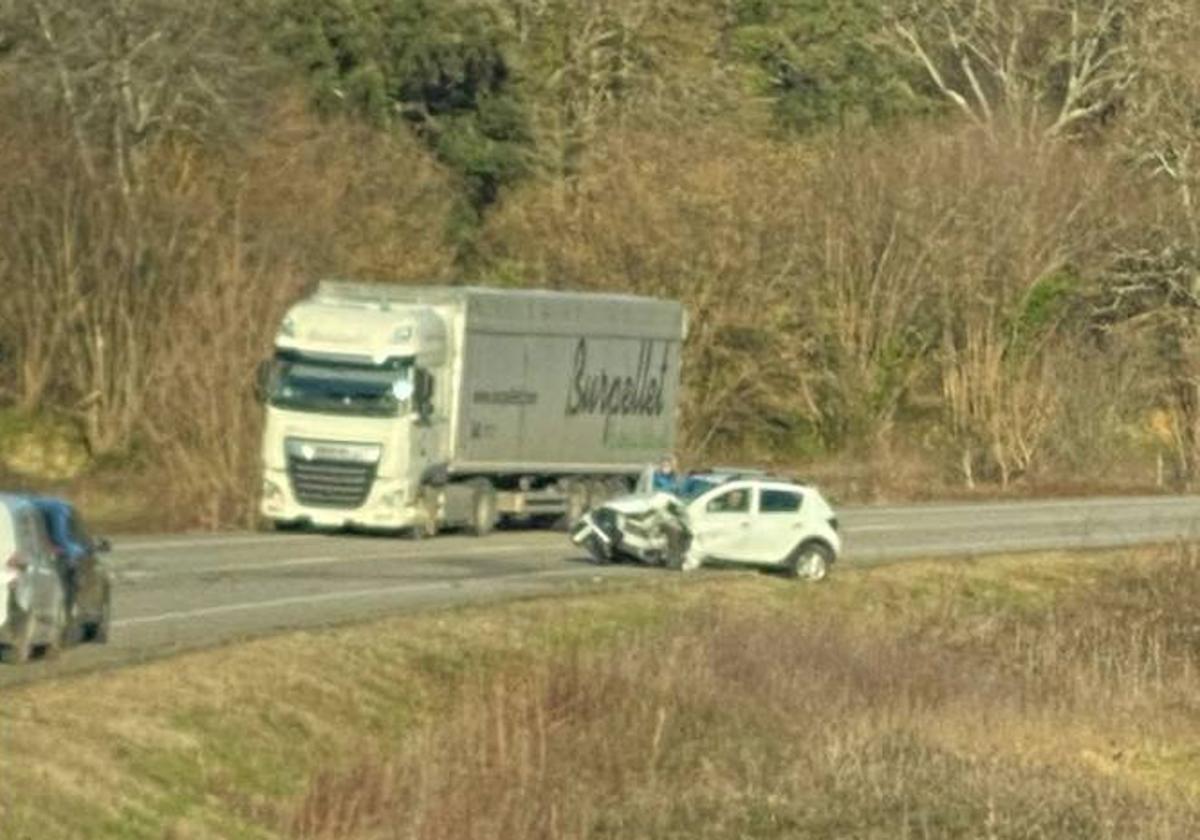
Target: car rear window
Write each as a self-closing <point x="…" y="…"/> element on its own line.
<point x="779" y="501"/>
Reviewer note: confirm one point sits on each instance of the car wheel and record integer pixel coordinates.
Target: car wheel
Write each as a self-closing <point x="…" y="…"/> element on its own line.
<point x="20" y="646"/>
<point x="811" y="561"/>
<point x="98" y="631"/>
<point x="60" y="627"/>
<point x="483" y="508"/>
<point x="597" y="550"/>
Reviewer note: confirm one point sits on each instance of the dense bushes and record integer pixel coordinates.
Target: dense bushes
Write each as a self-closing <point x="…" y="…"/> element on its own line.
<point x="881" y="264"/>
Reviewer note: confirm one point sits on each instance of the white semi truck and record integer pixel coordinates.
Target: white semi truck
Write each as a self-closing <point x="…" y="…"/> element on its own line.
<point x="400" y="407"/>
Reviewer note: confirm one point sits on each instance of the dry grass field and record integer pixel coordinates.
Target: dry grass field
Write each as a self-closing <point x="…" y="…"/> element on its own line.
<point x="1038" y="696"/>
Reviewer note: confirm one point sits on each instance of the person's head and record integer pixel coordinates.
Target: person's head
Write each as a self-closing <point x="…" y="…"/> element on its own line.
<point x="667" y="464"/>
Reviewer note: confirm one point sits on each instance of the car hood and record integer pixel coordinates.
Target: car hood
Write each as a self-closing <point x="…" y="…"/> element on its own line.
<point x="636" y="503"/>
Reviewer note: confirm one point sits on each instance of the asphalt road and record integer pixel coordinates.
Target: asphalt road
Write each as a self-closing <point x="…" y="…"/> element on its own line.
<point x="181" y="592"/>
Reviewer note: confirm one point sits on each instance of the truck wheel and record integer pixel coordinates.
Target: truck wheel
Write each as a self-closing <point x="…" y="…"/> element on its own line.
<point x="616" y="487"/>
<point x="428" y="526"/>
<point x="577" y="504"/>
<point x="483" y="508"/>
<point x="597" y="493"/>
<point x="20" y="646"/>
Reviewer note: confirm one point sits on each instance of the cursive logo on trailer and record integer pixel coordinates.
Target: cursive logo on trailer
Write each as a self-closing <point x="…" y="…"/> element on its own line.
<point x="638" y="391"/>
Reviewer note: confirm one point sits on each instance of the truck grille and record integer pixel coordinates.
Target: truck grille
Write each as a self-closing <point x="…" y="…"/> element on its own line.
<point x="334" y="484"/>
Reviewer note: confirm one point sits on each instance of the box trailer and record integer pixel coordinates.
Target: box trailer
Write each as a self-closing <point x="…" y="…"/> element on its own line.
<point x="408" y="407"/>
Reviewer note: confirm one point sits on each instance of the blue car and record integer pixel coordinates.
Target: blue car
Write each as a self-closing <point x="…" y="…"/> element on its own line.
<point x="86" y="580"/>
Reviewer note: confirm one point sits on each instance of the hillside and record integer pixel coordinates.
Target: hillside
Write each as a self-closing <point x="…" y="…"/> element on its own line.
<point x="926" y="248"/>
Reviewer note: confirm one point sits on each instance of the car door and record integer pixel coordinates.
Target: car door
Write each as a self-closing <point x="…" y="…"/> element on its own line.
<point x="42" y="571"/>
<point x="720" y="523"/>
<point x="778" y="526"/>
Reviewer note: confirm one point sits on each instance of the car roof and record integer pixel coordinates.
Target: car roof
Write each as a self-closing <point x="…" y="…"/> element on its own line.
<point x="14" y="501"/>
<point x="751" y="479"/>
<point x="45" y="502"/>
<point x="10" y="503"/>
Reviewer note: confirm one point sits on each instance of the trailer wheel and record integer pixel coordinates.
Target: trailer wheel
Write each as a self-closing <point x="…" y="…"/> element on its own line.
<point x="577" y="504"/>
<point x="597" y="493"/>
<point x="483" y="508"/>
<point x="616" y="487"/>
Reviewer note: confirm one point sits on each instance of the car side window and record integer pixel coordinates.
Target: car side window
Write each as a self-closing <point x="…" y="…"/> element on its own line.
<point x="779" y="501"/>
<point x="731" y="501"/>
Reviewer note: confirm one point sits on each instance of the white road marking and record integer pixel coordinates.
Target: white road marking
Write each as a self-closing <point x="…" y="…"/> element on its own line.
<point x="322" y="560"/>
<point x="214" y="541"/>
<point x="353" y="594"/>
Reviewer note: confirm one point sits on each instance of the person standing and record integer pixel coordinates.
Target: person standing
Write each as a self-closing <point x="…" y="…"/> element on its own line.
<point x="666" y="477"/>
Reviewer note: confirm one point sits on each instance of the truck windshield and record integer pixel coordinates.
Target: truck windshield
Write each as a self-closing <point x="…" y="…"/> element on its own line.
<point x="363" y="390"/>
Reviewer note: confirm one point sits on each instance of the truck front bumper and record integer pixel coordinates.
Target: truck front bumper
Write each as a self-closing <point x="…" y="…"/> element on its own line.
<point x="388" y="507"/>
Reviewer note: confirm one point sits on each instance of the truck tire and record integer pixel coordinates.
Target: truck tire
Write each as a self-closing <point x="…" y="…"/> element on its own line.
<point x="615" y="488"/>
<point x="429" y="525"/>
<point x="483" y="508"/>
<point x="576" y="492"/>
<point x="597" y="493"/>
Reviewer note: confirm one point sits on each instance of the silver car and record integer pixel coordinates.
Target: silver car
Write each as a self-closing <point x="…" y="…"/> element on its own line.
<point x="33" y="604"/>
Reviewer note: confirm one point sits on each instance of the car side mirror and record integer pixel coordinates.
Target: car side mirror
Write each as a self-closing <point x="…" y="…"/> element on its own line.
<point x="102" y="546"/>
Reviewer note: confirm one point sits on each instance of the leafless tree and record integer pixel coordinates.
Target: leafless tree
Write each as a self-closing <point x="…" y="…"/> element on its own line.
<point x="135" y="85"/>
<point x="1051" y="66"/>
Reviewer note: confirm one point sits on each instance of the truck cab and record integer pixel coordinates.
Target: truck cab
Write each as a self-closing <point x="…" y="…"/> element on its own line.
<point x="356" y="396"/>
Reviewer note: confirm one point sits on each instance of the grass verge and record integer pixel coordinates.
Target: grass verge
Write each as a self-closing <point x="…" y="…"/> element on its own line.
<point x="1046" y="696"/>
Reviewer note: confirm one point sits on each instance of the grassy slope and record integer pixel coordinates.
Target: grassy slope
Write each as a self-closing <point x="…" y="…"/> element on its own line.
<point x="1047" y="696"/>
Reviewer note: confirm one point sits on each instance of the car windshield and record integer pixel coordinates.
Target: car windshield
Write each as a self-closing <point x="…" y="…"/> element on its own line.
<point x="334" y="388"/>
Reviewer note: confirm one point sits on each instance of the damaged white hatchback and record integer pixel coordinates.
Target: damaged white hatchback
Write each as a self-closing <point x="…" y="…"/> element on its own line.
<point x="715" y="518"/>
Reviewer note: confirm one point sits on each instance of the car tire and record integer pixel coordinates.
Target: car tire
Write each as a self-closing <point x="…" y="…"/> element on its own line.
<point x="20" y="647"/>
<point x="59" y="630"/>
<point x="598" y="553"/>
<point x="483" y="508"/>
<point x="98" y="631"/>
<point x="810" y="561"/>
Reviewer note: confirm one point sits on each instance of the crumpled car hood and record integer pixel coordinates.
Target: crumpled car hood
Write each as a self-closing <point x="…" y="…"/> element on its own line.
<point x="637" y="526"/>
<point x="642" y="503"/>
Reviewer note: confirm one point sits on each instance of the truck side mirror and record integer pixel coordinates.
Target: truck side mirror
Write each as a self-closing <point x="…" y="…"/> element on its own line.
<point x="262" y="380"/>
<point x="423" y="396"/>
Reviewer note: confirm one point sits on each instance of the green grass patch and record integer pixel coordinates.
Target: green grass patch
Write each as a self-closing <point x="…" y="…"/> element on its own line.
<point x="1036" y="696"/>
